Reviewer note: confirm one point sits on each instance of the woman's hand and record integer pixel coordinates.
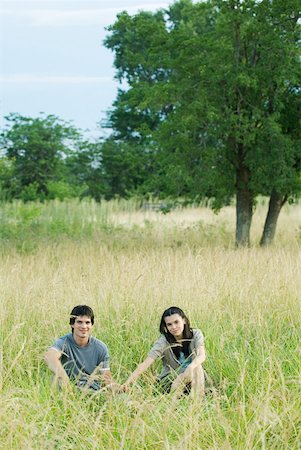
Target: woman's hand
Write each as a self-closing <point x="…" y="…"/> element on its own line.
<point x="124" y="388"/>
<point x="115" y="388"/>
<point x="179" y="381"/>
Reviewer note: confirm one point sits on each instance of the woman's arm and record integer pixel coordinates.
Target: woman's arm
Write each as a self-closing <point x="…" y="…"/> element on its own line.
<point x="139" y="371"/>
<point x="199" y="358"/>
<point x="187" y="375"/>
<point x="52" y="358"/>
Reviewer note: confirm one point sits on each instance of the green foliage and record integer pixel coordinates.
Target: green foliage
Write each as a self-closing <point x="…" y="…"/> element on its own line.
<point x="210" y="87"/>
<point x="124" y="168"/>
<point x="82" y="169"/>
<point x="61" y="190"/>
<point x="7" y="181"/>
<point x="34" y="151"/>
<point x="30" y="192"/>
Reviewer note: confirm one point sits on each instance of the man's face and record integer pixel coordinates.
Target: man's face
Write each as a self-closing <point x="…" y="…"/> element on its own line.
<point x="82" y="327"/>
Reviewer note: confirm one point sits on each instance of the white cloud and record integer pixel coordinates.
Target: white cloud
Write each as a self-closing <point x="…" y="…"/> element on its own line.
<point x="54" y="79"/>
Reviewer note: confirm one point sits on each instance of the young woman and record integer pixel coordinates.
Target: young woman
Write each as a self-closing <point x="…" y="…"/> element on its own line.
<point x="182" y="351"/>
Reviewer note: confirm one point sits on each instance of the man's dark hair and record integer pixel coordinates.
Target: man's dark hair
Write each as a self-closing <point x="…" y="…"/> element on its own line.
<point x="81" y="310"/>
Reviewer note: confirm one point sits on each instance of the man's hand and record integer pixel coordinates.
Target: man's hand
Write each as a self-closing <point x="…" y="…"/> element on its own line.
<point x="62" y="381"/>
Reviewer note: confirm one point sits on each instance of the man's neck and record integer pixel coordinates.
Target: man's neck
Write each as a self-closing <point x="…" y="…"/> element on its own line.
<point x="81" y="342"/>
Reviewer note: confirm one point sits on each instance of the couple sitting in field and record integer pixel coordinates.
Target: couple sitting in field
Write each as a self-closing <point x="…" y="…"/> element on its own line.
<point x="83" y="359"/>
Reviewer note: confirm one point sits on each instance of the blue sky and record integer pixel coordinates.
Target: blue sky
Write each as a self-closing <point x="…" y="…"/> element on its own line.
<point x="53" y="61"/>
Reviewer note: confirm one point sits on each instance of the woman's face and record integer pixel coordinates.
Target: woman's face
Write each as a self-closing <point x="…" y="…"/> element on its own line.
<point x="175" y="325"/>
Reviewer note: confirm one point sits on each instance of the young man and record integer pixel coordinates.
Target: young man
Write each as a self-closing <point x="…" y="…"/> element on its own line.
<point x="79" y="357"/>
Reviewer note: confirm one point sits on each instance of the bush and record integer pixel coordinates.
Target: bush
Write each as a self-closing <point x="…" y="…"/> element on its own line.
<point x="61" y="190"/>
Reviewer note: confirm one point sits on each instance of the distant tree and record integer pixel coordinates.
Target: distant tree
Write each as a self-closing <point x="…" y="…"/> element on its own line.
<point x="35" y="149"/>
<point x="207" y="87"/>
<point x="81" y="168"/>
<point x="125" y="168"/>
<point x="7" y="170"/>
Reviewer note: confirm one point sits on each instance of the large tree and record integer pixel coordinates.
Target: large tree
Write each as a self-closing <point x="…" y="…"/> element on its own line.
<point x="208" y="88"/>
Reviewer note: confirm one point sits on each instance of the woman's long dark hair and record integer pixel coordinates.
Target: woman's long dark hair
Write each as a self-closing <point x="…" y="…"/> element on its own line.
<point x="187" y="332"/>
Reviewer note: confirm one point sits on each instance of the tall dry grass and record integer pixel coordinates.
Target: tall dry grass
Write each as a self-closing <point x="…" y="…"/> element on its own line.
<point x="247" y="302"/>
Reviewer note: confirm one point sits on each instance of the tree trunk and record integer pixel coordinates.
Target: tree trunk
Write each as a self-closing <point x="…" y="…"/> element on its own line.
<point x="244" y="213"/>
<point x="244" y="207"/>
<point x="275" y="204"/>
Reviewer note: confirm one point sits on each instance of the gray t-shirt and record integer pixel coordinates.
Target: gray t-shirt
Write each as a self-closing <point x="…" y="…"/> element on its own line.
<point x="80" y="362"/>
<point x="163" y="349"/>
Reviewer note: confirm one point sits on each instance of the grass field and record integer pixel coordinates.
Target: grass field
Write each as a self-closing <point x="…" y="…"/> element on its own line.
<point x="130" y="265"/>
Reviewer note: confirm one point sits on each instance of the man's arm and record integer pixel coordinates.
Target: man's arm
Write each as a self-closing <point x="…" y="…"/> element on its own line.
<point x="52" y="358"/>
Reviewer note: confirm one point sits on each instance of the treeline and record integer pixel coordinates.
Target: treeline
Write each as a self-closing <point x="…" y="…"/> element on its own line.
<point x="211" y="109"/>
<point x="45" y="158"/>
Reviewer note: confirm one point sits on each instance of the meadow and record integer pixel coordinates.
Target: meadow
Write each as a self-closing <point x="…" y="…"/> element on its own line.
<point x="130" y="264"/>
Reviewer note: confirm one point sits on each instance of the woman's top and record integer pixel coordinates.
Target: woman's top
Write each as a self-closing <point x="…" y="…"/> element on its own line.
<point x="163" y="349"/>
